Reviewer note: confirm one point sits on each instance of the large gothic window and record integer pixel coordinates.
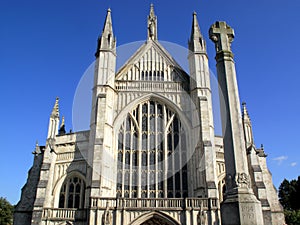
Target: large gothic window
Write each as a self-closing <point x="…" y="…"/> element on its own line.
<point x="152" y="153"/>
<point x="72" y="193"/>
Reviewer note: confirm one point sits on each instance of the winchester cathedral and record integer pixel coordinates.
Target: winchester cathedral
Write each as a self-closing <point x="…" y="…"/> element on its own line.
<point x="151" y="155"/>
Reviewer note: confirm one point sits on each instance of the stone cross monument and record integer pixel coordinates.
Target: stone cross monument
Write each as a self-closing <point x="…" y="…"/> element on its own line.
<point x="240" y="205"/>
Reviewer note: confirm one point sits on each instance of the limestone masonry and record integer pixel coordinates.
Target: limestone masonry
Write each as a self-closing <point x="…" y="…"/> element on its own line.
<point x="151" y="155"/>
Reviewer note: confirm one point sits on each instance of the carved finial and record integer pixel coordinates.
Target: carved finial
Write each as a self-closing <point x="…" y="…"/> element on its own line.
<point x="152" y="9"/>
<point x="245" y="111"/>
<point x="261" y="152"/>
<point x="152" y="24"/>
<point x="55" y="110"/>
<point x="62" y="129"/>
<point x="37" y="148"/>
<point x="62" y="121"/>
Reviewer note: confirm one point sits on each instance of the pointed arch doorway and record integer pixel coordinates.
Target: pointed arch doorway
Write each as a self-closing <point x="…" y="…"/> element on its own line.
<point x="155" y="218"/>
<point x="156" y="221"/>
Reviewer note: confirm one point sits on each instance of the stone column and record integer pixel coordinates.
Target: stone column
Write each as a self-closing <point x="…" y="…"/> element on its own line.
<point x="240" y="205"/>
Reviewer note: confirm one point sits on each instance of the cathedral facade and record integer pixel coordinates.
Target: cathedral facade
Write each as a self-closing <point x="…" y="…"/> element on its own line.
<point x="151" y="155"/>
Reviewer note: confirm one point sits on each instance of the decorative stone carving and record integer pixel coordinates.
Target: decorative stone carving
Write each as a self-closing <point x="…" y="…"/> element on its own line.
<point x="242" y="180"/>
<point x="201" y="218"/>
<point x="151" y="28"/>
<point x="107" y="216"/>
<point x="222" y="35"/>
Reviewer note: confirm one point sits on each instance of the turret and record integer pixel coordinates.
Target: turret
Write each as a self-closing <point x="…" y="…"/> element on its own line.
<point x="201" y="96"/>
<point x="103" y="97"/>
<point x="105" y="65"/>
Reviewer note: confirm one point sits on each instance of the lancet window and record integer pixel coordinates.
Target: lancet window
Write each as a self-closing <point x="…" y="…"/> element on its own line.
<point x="152" y="153"/>
<point x="72" y="193"/>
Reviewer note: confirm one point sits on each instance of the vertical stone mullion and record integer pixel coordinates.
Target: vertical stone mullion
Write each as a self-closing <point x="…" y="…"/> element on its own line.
<point x="169" y="73"/>
<point x="139" y="152"/>
<point x="160" y="68"/>
<point x="148" y="148"/>
<point x="81" y="198"/>
<point x="173" y="158"/>
<point x="130" y="158"/>
<point x="123" y="157"/>
<point x="66" y="194"/>
<point x="165" y="151"/>
<point x="180" y="157"/>
<point x="156" y="151"/>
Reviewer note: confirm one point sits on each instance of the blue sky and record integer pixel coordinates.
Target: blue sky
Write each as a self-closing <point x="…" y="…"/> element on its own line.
<point x="45" y="47"/>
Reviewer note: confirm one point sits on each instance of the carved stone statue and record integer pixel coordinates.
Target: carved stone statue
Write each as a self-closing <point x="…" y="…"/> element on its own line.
<point x="201" y="218"/>
<point x="107" y="216"/>
<point x="151" y="28"/>
<point x="242" y="180"/>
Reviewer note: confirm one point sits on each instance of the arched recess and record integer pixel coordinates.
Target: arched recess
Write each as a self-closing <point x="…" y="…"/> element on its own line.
<point x="154" y="218"/>
<point x="151" y="134"/>
<point x="65" y="178"/>
<point x="221" y="186"/>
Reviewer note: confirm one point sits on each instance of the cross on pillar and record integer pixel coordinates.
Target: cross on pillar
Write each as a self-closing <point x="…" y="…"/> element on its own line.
<point x="240" y="205"/>
<point x="222" y="34"/>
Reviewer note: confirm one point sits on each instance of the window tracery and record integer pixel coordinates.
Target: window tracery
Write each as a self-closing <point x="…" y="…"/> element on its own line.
<point x="152" y="153"/>
<point x="72" y="193"/>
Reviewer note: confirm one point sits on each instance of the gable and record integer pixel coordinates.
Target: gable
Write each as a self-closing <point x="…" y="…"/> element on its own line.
<point x="152" y="62"/>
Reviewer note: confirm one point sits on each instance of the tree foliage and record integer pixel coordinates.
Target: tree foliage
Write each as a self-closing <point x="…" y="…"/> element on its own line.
<point x="6" y="212"/>
<point x="292" y="217"/>
<point x="289" y="196"/>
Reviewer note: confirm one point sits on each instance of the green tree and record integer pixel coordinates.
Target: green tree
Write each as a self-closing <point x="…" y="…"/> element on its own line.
<point x="292" y="217"/>
<point x="289" y="195"/>
<point x="6" y="212"/>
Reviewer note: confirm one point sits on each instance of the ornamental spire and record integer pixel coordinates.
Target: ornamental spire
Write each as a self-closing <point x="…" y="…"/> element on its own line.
<point x="152" y="24"/>
<point x="55" y="110"/>
<point x="196" y="42"/>
<point x="245" y="113"/>
<point x="247" y="126"/>
<point x="107" y="41"/>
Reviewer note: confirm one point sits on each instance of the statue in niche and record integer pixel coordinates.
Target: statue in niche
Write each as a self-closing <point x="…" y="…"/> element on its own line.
<point x="107" y="216"/>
